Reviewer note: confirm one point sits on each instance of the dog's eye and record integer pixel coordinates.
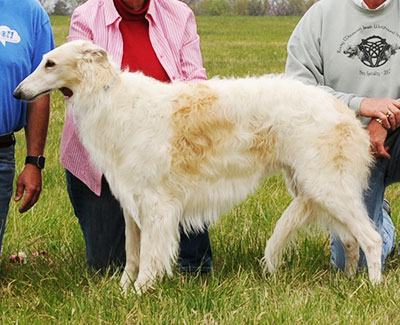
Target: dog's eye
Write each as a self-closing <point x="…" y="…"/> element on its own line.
<point x="50" y="64"/>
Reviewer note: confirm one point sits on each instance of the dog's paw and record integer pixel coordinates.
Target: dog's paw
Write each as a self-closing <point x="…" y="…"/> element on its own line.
<point x="350" y="271"/>
<point x="126" y="281"/>
<point x="143" y="284"/>
<point x="268" y="265"/>
<point x="138" y="289"/>
<point x="375" y="277"/>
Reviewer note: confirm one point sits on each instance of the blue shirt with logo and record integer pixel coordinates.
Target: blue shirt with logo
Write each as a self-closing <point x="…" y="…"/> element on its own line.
<point x="25" y="35"/>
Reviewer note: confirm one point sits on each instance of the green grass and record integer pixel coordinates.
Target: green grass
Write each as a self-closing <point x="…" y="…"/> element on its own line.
<point x="243" y="46"/>
<point x="305" y="290"/>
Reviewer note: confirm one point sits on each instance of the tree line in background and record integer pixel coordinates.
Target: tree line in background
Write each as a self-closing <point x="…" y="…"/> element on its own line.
<point x="60" y="7"/>
<point x="210" y="7"/>
<point x="250" y="7"/>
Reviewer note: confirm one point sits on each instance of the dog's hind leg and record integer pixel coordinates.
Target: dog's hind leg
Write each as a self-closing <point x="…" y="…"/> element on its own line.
<point x="132" y="249"/>
<point x="159" y="245"/>
<point x="371" y="243"/>
<point x="295" y="216"/>
<point x="350" y="246"/>
<point x="350" y="214"/>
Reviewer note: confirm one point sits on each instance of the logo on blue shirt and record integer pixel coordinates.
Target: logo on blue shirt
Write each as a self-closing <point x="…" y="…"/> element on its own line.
<point x="8" y="35"/>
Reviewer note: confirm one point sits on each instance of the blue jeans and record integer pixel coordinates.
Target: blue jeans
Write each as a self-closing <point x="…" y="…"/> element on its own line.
<point x="7" y="171"/>
<point x="103" y="226"/>
<point x="384" y="173"/>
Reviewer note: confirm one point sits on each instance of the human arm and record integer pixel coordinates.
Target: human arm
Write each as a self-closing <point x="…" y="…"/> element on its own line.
<point x="190" y="53"/>
<point x="305" y="60"/>
<point x="377" y="135"/>
<point x="29" y="182"/>
<point x="310" y="60"/>
<point x="79" y="28"/>
<point x="378" y="130"/>
<point x="385" y="109"/>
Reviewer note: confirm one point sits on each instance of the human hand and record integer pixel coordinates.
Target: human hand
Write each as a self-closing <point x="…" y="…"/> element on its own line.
<point x="377" y="134"/>
<point x="385" y="109"/>
<point x="30" y="183"/>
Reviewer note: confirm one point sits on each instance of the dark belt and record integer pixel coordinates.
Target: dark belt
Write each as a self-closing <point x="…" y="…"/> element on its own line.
<point x="7" y="140"/>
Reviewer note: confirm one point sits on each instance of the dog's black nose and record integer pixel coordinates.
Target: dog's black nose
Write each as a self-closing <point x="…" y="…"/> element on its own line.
<point x="17" y="94"/>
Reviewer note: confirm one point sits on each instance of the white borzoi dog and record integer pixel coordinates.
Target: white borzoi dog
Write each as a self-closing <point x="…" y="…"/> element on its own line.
<point x="188" y="152"/>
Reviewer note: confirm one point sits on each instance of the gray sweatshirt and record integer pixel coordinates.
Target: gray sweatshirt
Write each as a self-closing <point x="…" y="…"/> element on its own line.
<point x="352" y="51"/>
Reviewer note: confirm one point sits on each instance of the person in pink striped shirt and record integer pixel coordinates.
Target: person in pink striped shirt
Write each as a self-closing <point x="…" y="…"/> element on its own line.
<point x="159" y="38"/>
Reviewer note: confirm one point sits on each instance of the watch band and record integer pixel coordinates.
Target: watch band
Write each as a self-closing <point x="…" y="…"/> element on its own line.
<point x="38" y="161"/>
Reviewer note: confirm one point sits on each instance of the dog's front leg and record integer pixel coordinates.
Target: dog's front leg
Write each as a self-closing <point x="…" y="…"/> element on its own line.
<point x="132" y="248"/>
<point x="158" y="249"/>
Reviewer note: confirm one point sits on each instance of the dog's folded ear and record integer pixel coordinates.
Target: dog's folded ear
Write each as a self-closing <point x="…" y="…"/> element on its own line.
<point x="97" y="55"/>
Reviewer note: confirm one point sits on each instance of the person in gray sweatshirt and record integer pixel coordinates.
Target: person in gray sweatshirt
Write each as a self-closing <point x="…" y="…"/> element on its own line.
<point x="352" y="49"/>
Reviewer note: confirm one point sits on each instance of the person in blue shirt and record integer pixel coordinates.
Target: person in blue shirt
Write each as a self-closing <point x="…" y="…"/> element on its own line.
<point x="25" y="35"/>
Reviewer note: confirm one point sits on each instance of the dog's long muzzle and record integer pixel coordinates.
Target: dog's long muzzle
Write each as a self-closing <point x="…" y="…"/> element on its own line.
<point x="27" y="96"/>
<point x="17" y="94"/>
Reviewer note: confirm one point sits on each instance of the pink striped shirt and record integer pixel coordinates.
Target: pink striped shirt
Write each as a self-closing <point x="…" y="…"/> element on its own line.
<point x="173" y="35"/>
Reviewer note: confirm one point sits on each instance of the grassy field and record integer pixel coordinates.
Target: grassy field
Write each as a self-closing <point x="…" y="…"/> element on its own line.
<point x="57" y="288"/>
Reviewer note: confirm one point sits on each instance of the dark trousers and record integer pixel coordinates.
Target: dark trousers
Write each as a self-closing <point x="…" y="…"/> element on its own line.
<point x="7" y="171"/>
<point x="103" y="226"/>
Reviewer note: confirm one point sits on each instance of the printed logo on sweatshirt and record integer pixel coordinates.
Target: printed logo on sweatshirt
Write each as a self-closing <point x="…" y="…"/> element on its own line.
<point x="373" y="46"/>
<point x="373" y="51"/>
<point x="8" y="35"/>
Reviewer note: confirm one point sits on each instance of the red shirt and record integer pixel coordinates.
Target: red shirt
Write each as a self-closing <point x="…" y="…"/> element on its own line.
<point x="138" y="52"/>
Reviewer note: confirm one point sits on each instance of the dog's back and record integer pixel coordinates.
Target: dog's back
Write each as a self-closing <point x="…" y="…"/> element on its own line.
<point x="229" y="135"/>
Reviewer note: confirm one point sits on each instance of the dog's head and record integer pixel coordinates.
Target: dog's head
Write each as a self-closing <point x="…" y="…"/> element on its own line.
<point x="69" y="67"/>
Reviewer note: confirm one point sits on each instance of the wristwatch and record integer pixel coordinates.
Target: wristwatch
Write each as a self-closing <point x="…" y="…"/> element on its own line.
<point x="38" y="161"/>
